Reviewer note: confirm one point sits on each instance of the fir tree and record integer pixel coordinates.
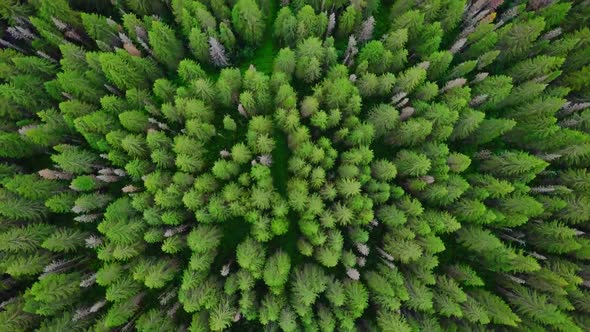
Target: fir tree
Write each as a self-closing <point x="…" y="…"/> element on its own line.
<point x="248" y="21"/>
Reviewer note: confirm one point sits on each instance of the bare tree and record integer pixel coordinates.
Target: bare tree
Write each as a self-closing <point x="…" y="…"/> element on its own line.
<point x="458" y="82"/>
<point x="265" y="159"/>
<point x="351" y="51"/>
<point x="458" y="45"/>
<point x="331" y="24"/>
<point x="217" y="53"/>
<point x="366" y="32"/>
<point x="353" y="274"/>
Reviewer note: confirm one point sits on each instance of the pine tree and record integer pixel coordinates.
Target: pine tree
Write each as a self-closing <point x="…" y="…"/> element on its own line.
<point x="154" y="320"/>
<point x="165" y="46"/>
<point x="515" y="40"/>
<point x="251" y="256"/>
<point x="411" y="132"/>
<point x="126" y="71"/>
<point x="276" y="271"/>
<point x="14" y="146"/>
<point x="409" y="163"/>
<point x="513" y="164"/>
<point x="248" y="21"/>
<point x="489" y="129"/>
<point x="52" y="293"/>
<point x="536" y="306"/>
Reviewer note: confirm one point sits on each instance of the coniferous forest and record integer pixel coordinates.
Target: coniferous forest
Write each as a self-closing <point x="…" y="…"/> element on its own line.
<point x="294" y="165"/>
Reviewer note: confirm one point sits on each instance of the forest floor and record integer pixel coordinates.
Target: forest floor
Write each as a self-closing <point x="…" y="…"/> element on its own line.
<point x="265" y="53"/>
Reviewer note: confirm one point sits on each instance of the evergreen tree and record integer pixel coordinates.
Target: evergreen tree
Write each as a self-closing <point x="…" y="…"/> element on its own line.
<point x="302" y="166"/>
<point x="248" y="21"/>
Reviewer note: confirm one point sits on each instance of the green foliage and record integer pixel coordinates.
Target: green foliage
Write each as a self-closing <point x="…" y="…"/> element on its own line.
<point x="154" y="321"/>
<point x="410" y="163"/>
<point x="303" y="166"/>
<point x="204" y="238"/>
<point x="166" y="47"/>
<point x="74" y="160"/>
<point x="52" y="293"/>
<point x="13" y="146"/>
<point x="65" y="240"/>
<point x="515" y="40"/>
<point x="248" y="21"/>
<point x="250" y="256"/>
<point x="126" y="71"/>
<point x="276" y="271"/>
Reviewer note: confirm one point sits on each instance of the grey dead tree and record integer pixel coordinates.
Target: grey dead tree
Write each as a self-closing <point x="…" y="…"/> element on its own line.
<point x="6" y="43"/>
<point x="54" y="175"/>
<point x="265" y="159"/>
<point x="458" y="45"/>
<point x="569" y="107"/>
<point x="456" y="83"/>
<point x="224" y="154"/>
<point x="331" y="24"/>
<point x="406" y="113"/>
<point x="351" y="51"/>
<point x="20" y="33"/>
<point x="478" y="100"/>
<point x="366" y="31"/>
<point x="93" y="241"/>
<point x="217" y="53"/>
<point x="353" y="274"/>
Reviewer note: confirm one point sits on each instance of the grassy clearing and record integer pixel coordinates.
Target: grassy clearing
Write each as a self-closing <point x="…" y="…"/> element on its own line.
<point x="263" y="56"/>
<point x="382" y="20"/>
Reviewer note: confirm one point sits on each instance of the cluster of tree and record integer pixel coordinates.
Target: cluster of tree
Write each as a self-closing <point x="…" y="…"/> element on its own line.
<point x="420" y="165"/>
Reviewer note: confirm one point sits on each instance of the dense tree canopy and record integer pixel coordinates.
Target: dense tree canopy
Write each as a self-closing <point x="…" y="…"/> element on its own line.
<point x="263" y="165"/>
